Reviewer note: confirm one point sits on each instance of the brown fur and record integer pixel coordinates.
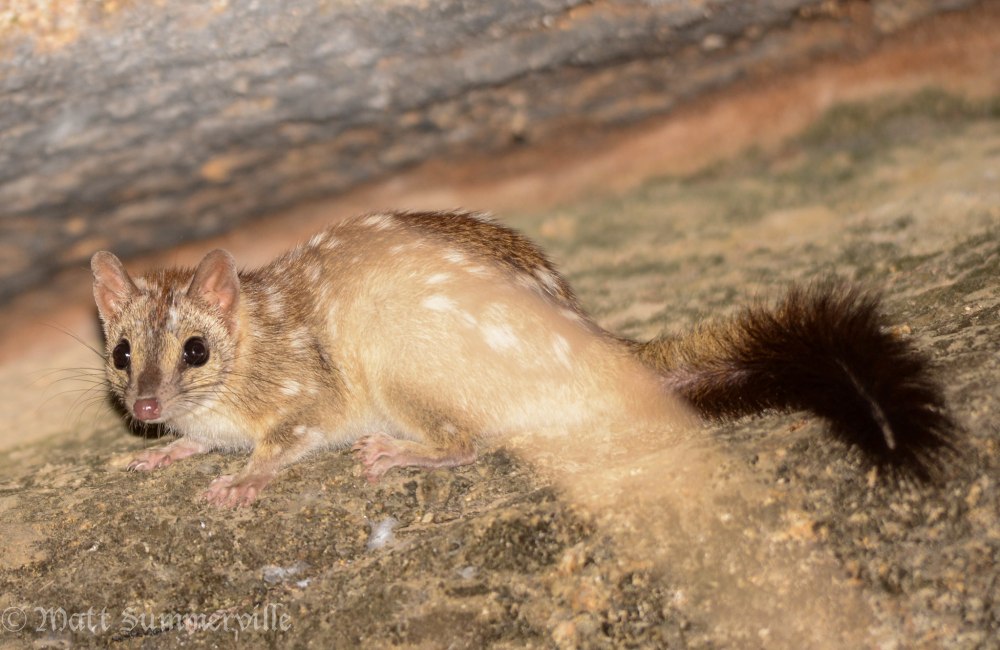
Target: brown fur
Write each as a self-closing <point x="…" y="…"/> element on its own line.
<point x="494" y="243"/>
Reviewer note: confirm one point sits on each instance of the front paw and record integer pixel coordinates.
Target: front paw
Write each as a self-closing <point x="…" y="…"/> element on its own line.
<point x="156" y="457"/>
<point x="149" y="460"/>
<point x="230" y="491"/>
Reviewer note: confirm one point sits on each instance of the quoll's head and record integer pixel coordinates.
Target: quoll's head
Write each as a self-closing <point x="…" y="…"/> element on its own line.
<point x="170" y="336"/>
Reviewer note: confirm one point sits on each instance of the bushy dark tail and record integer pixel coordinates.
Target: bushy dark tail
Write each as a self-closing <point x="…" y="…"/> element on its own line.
<point x="826" y="349"/>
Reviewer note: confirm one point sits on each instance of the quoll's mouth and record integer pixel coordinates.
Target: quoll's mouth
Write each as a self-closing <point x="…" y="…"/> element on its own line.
<point x="147" y="409"/>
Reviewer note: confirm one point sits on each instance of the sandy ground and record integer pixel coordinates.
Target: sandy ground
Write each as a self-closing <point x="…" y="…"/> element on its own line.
<point x="763" y="533"/>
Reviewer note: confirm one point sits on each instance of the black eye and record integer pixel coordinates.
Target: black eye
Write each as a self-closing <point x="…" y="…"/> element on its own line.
<point x="195" y="351"/>
<point x="121" y="356"/>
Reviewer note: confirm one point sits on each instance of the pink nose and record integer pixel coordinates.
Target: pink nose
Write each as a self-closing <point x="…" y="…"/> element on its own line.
<point x="147" y="408"/>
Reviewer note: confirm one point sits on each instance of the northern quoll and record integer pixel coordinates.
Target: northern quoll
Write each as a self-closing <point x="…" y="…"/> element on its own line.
<point x="417" y="337"/>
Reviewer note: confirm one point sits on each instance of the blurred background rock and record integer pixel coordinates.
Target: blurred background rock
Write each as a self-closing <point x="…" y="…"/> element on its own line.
<point x="134" y="126"/>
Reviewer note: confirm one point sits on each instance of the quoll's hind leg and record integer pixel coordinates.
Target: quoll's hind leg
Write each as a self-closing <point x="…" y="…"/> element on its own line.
<point x="379" y="453"/>
<point x="276" y="451"/>
<point x="151" y="459"/>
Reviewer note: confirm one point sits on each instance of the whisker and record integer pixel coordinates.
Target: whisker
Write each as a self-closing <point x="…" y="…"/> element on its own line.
<point x="67" y="374"/>
<point x="60" y="328"/>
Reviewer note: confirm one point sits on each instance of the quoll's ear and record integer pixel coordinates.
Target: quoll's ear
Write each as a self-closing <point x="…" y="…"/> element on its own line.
<point x="112" y="285"/>
<point x="216" y="284"/>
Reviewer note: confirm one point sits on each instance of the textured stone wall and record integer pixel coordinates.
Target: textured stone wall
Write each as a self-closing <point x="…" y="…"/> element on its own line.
<point x="133" y="126"/>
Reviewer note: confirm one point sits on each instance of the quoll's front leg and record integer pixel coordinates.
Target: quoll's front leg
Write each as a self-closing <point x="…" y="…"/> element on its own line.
<point x="276" y="451"/>
<point x="151" y="459"/>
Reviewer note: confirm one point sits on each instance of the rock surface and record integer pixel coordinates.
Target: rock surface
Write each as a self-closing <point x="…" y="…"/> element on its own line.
<point x="899" y="195"/>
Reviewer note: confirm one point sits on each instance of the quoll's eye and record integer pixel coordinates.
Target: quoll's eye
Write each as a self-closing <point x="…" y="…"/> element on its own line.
<point x="121" y="356"/>
<point x="195" y="351"/>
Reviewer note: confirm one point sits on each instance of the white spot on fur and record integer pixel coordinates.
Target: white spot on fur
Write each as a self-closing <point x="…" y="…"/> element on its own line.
<point x="291" y="387"/>
<point x="299" y="339"/>
<point x="275" y="304"/>
<point x="404" y="248"/>
<point x="378" y="221"/>
<point x="438" y="278"/>
<point x="527" y="282"/>
<point x="172" y="319"/>
<point x="454" y="256"/>
<point x="315" y="273"/>
<point x="571" y="315"/>
<point x="312" y="436"/>
<point x="439" y="302"/>
<point x="548" y="280"/>
<point x="468" y="318"/>
<point x="501" y="337"/>
<point x="317" y="240"/>
<point x="478" y="271"/>
<point x="561" y="348"/>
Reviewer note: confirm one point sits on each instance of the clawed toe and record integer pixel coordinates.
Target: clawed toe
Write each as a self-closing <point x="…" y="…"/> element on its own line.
<point x="228" y="492"/>
<point x="373" y="446"/>
<point x="148" y="461"/>
<point x="157" y="457"/>
<point x="376" y="452"/>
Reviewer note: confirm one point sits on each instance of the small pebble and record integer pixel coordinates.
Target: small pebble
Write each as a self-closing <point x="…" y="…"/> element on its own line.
<point x="382" y="533"/>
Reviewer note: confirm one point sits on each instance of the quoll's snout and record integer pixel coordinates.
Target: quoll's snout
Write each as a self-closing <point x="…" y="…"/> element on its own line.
<point x="146" y="409"/>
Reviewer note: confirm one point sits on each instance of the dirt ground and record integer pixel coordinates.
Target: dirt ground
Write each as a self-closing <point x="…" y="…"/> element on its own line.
<point x="760" y="533"/>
